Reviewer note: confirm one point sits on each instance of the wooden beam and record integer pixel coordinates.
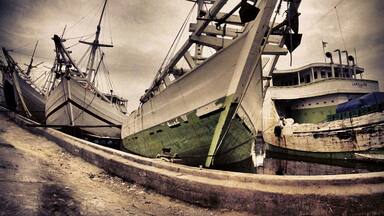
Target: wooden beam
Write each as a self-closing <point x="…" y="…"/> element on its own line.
<point x="214" y="42"/>
<point x="216" y="7"/>
<point x="274" y="50"/>
<point x="233" y="19"/>
<point x="276" y="39"/>
<point x="188" y="58"/>
<point x="212" y="30"/>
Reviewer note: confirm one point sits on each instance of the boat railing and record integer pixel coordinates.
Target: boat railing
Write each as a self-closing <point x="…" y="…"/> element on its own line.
<point x="356" y="112"/>
<point x="323" y="80"/>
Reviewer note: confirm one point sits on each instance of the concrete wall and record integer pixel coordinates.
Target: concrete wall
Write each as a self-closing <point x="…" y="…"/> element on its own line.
<point x="258" y="194"/>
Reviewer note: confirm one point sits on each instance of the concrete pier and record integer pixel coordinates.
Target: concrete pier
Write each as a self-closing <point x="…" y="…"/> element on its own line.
<point x="256" y="194"/>
<point x="38" y="177"/>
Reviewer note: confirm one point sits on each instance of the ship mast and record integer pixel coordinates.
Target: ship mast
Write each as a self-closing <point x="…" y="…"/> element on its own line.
<point x="31" y="62"/>
<point x="90" y="70"/>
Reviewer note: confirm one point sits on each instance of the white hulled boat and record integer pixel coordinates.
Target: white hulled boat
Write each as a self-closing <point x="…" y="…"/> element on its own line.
<point x="324" y="110"/>
<point x="75" y="102"/>
<point x="20" y="92"/>
<point x="210" y="113"/>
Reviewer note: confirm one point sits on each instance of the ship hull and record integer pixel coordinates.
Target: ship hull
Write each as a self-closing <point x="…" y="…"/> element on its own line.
<point x="197" y="98"/>
<point x="70" y="105"/>
<point x="34" y="101"/>
<point x="214" y="108"/>
<point x="336" y="139"/>
<point x="188" y="138"/>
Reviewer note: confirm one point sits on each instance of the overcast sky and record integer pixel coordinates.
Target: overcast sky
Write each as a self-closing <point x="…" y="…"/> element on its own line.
<point x="142" y="31"/>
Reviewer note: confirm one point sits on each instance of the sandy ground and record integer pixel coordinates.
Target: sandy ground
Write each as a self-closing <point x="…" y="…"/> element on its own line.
<point x="39" y="178"/>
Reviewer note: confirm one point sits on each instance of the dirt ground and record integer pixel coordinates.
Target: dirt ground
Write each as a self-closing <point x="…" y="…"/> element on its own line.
<point x="39" y="178"/>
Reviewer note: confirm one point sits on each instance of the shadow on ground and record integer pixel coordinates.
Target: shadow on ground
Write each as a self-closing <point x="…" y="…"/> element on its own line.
<point x="25" y="189"/>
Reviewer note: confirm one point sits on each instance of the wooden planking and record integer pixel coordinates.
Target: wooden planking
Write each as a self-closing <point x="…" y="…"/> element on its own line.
<point x="214" y="42"/>
<point x="188" y="58"/>
<point x="274" y="50"/>
<point x="212" y="30"/>
<point x="276" y="39"/>
<point x="233" y="19"/>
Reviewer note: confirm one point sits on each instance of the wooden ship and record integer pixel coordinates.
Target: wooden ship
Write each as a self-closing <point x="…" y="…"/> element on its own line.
<point x="210" y="112"/>
<point x="74" y="102"/>
<point x="20" y="92"/>
<point x="324" y="110"/>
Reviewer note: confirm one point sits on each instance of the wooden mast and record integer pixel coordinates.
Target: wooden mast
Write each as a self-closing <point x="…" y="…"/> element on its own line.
<point x="31" y="62"/>
<point x="90" y="71"/>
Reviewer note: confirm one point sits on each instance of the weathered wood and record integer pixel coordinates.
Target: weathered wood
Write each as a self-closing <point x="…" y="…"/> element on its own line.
<point x="188" y="58"/>
<point x="249" y="60"/>
<point x="72" y="126"/>
<point x="233" y="19"/>
<point x="276" y="39"/>
<point x="212" y="30"/>
<point x="274" y="50"/>
<point x="214" y="42"/>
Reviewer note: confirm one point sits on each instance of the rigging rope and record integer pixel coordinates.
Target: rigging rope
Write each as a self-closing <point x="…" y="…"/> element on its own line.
<point x="85" y="54"/>
<point x="78" y="42"/>
<point x="176" y="38"/>
<point x="341" y="32"/>
<point x="77" y="37"/>
<point x="107" y="75"/>
<point x="327" y="13"/>
<point x="84" y="17"/>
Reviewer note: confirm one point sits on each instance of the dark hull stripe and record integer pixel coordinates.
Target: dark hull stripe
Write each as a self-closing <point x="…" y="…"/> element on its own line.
<point x="83" y="109"/>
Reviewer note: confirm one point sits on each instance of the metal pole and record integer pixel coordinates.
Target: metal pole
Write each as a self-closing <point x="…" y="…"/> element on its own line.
<point x="341" y="63"/>
<point x="349" y="66"/>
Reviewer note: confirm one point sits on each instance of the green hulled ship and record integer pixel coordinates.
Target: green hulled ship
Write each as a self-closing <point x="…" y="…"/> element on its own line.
<point x="210" y="112"/>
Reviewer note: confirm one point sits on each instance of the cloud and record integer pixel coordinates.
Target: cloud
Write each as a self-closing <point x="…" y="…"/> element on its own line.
<point x="361" y="26"/>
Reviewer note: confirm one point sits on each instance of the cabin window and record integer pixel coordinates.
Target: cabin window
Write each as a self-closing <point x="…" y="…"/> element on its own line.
<point x="325" y="102"/>
<point x="295" y="81"/>
<point x="332" y="101"/>
<point x="315" y="74"/>
<point x="322" y="74"/>
<point x="337" y="74"/>
<point x="308" y="78"/>
<point x="329" y="74"/>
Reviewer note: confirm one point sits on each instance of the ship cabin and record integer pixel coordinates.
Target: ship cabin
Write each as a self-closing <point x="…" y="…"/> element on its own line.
<point x="310" y="94"/>
<point x="315" y="72"/>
